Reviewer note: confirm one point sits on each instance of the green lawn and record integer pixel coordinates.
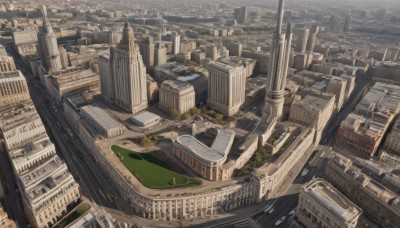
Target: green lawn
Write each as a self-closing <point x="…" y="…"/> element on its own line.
<point x="80" y="210"/>
<point x="151" y="171"/>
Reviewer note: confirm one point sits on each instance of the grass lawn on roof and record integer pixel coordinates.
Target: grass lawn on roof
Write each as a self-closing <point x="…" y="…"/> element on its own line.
<point x="151" y="171"/>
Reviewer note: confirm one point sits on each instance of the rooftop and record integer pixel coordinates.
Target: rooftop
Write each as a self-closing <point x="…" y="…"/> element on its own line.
<point x="39" y="171"/>
<point x="177" y="84"/>
<point x="77" y="101"/>
<point x="11" y="76"/>
<point x="145" y="117"/>
<point x="219" y="149"/>
<point x="332" y="200"/>
<point x="100" y="117"/>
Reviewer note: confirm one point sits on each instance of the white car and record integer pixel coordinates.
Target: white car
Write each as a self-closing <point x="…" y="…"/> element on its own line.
<point x="304" y="172"/>
<point x="292" y="212"/>
<point x="280" y="221"/>
<point x="271" y="211"/>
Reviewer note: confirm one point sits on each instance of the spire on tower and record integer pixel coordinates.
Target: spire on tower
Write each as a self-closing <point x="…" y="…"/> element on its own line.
<point x="280" y="18"/>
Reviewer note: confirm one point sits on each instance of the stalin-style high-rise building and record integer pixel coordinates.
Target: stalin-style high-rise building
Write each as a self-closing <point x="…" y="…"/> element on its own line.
<point x="278" y="67"/>
<point x="128" y="74"/>
<point x="48" y="48"/>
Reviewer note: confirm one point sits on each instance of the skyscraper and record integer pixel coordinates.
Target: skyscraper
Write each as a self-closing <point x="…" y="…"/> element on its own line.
<point x="128" y="73"/>
<point x="347" y="23"/>
<point x="333" y="22"/>
<point x="302" y="38"/>
<point x="278" y="67"/>
<point x="48" y="48"/>
<point x="176" y="40"/>
<point x="241" y="14"/>
<point x="226" y="87"/>
<point x="312" y="39"/>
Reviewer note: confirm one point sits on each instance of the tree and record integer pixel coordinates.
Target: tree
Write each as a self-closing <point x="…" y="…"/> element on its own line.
<point x="175" y="114"/>
<point x="194" y="111"/>
<point x="144" y="141"/>
<point x="219" y="117"/>
<point x="211" y="113"/>
<point x="185" y="116"/>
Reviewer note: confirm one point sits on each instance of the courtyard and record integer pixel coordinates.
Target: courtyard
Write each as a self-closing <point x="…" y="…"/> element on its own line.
<point x="151" y="171"/>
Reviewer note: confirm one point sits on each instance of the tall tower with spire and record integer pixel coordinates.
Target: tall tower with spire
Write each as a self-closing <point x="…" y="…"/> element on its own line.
<point x="278" y="67"/>
<point x="128" y="73"/>
<point x="48" y="48"/>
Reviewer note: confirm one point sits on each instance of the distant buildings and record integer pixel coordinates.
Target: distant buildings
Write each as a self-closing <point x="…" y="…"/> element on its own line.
<point x="226" y="87"/>
<point x="347" y="23"/>
<point x="128" y="74"/>
<point x="146" y="47"/>
<point x="312" y="38"/>
<point x="176" y="95"/>
<point x="302" y="38"/>
<point x="362" y="132"/>
<point x="321" y="205"/>
<point x="241" y="14"/>
<point x="26" y="41"/>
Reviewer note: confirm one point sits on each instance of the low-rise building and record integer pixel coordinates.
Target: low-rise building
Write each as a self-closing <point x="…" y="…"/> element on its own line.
<point x="362" y="132"/>
<point x="7" y="64"/>
<point x="313" y="111"/>
<point x="392" y="142"/>
<point x="107" y="126"/>
<point x="205" y="161"/>
<point x="379" y="204"/>
<point x="321" y="205"/>
<point x="146" y="119"/>
<point x="271" y="175"/>
<point x="176" y="95"/>
<point x="26" y="40"/>
<point x="71" y="80"/>
<point x="13" y="88"/>
<point x="20" y="123"/>
<point x="47" y="188"/>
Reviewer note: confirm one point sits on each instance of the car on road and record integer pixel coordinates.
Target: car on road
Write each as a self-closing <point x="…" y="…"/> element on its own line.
<point x="270" y="211"/>
<point x="292" y="212"/>
<point x="304" y="172"/>
<point x="280" y="221"/>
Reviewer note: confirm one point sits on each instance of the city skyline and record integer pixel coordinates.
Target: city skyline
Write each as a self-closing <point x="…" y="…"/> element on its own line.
<point x="199" y="113"/>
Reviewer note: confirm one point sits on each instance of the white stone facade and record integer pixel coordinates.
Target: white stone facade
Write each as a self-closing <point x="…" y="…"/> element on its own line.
<point x="176" y="95"/>
<point x="128" y="73"/>
<point x="226" y="87"/>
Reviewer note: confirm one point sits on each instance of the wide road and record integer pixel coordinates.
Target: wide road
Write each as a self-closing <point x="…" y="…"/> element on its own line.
<point x="94" y="183"/>
<point x="284" y="205"/>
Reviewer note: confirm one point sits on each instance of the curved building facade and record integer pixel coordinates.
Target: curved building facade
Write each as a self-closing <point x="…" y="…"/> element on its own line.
<point x="205" y="161"/>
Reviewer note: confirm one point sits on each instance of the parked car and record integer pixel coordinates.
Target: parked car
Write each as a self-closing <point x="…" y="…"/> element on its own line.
<point x="304" y="172"/>
<point x="280" y="221"/>
<point x="292" y="212"/>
